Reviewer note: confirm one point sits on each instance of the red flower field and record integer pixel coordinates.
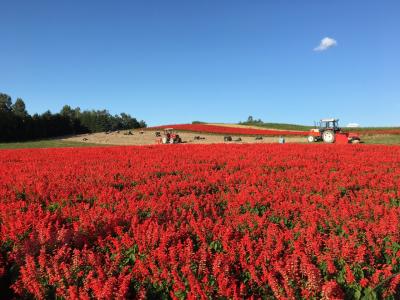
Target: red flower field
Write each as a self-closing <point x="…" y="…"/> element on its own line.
<point x="220" y="129"/>
<point x="201" y="221"/>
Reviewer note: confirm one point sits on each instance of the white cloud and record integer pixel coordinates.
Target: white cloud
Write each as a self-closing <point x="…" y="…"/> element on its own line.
<point x="325" y="44"/>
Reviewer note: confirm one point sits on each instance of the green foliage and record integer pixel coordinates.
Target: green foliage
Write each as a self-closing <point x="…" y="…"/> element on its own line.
<point x="46" y="144"/>
<point x="221" y="206"/>
<point x="281" y="126"/>
<point x="387" y="139"/>
<point x="216" y="246"/>
<point x="53" y="207"/>
<point x="19" y="108"/>
<point x="130" y="256"/>
<point x="158" y="291"/>
<point x="144" y="213"/>
<point x="5" y="102"/>
<point x="368" y="130"/>
<point x="251" y="120"/>
<point x="17" y="125"/>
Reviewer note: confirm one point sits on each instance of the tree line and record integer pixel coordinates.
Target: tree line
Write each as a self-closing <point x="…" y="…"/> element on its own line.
<point x="16" y="124"/>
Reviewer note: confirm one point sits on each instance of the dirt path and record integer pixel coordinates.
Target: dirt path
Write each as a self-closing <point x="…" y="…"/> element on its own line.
<point x="148" y="137"/>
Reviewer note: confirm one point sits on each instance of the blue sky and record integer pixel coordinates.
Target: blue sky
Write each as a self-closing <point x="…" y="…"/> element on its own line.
<point x="218" y="61"/>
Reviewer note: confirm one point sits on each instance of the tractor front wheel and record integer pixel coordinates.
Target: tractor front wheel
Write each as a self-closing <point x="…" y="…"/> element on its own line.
<point x="311" y="139"/>
<point x="328" y="136"/>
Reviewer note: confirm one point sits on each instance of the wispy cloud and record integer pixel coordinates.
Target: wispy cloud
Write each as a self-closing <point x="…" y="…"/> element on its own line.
<point x="325" y="44"/>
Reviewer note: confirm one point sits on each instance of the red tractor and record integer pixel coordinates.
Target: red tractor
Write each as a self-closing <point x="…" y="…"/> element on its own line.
<point x="170" y="137"/>
<point x="330" y="132"/>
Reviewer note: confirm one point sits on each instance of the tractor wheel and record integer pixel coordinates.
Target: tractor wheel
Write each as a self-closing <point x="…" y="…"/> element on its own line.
<point x="311" y="139"/>
<point x="328" y="136"/>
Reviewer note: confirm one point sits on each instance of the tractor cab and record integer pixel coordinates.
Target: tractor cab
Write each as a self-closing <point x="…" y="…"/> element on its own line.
<point x="329" y="124"/>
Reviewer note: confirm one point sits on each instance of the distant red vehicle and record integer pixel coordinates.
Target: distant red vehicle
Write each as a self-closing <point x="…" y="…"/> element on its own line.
<point x="328" y="131"/>
<point x="170" y="137"/>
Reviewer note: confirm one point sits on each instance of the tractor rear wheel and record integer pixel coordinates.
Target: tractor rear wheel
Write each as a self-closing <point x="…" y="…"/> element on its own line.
<point x="311" y="139"/>
<point x="328" y="136"/>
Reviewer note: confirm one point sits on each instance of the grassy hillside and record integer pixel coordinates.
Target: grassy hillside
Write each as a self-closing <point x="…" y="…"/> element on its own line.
<point x="367" y="130"/>
<point x="45" y="144"/>
<point x="387" y="139"/>
<point x="281" y="126"/>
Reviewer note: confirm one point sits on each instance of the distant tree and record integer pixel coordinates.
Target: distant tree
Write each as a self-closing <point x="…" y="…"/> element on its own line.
<point x="16" y="124"/>
<point x="77" y="112"/>
<point x="19" y="108"/>
<point x="142" y="124"/>
<point x="5" y="102"/>
<point x="7" y="118"/>
<point x="250" y="119"/>
<point x="70" y="120"/>
<point x="128" y="122"/>
<point x="47" y="114"/>
<point x="67" y="111"/>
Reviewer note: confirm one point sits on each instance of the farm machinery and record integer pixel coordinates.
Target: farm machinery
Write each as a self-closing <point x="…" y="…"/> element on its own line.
<point x="169" y="136"/>
<point x="328" y="131"/>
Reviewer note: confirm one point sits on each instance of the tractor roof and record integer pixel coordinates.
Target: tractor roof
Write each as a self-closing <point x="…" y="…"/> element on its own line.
<point x="329" y="120"/>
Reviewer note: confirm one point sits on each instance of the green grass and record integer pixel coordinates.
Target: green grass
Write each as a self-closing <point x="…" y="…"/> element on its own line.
<point x="387" y="139"/>
<point x="281" y="126"/>
<point x="374" y="128"/>
<point x="367" y="130"/>
<point x="45" y="144"/>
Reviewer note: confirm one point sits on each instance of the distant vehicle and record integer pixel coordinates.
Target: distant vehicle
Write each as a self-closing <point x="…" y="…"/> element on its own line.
<point x="353" y="125"/>
<point x="328" y="131"/>
<point x="170" y="137"/>
<point x="227" y="138"/>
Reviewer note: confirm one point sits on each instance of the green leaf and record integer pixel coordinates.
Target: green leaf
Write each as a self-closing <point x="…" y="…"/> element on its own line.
<point x="369" y="294"/>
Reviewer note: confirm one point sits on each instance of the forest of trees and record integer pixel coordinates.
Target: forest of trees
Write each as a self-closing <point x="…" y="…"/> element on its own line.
<point x="16" y="124"/>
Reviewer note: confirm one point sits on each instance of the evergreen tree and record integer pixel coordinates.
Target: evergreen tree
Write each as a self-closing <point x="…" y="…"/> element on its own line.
<point x="5" y="103"/>
<point x="16" y="124"/>
<point x="19" y="108"/>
